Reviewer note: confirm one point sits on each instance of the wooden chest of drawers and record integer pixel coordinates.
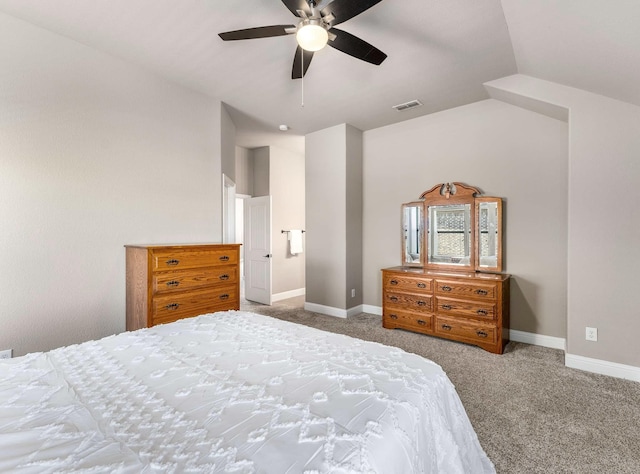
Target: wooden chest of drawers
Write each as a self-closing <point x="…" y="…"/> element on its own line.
<point x="166" y="283"/>
<point x="465" y="307"/>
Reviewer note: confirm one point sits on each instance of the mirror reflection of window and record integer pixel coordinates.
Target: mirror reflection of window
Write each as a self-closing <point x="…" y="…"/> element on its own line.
<point x="450" y="234"/>
<point x="488" y="227"/>
<point x="412" y="227"/>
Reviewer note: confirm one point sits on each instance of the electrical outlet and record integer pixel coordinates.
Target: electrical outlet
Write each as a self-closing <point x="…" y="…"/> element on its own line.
<point x="592" y="334"/>
<point x="7" y="354"/>
<point x="353" y="292"/>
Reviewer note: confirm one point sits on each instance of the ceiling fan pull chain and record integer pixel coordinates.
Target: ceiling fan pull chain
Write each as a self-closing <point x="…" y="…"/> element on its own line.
<point x="302" y="78"/>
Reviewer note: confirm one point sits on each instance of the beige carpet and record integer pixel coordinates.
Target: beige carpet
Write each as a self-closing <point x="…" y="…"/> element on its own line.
<point x="532" y="414"/>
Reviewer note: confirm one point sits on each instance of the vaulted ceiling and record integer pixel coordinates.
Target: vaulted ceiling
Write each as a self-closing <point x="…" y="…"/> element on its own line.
<point x="439" y="52"/>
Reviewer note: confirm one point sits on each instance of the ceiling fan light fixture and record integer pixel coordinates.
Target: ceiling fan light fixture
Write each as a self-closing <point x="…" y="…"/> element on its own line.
<point x="312" y="36"/>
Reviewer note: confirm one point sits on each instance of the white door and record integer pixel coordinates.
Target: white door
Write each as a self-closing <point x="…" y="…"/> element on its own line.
<point x="257" y="251"/>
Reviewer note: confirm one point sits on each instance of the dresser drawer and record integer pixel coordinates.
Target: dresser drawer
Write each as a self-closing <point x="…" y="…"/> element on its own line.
<point x="173" y="259"/>
<point x="194" y="278"/>
<point x="469" y="308"/>
<point x="170" y="282"/>
<point x="398" y="282"/>
<point x="413" y="321"/>
<point x="467" y="290"/>
<point x="170" y="307"/>
<point x="409" y="302"/>
<point x="465" y="330"/>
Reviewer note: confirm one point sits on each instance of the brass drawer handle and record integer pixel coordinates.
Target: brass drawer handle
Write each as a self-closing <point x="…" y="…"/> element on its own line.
<point x="446" y="288"/>
<point x="446" y="327"/>
<point x="420" y="321"/>
<point x="224" y="277"/>
<point x="224" y="297"/>
<point x="422" y="303"/>
<point x="482" y="292"/>
<point x="421" y="285"/>
<point x="481" y="334"/>
<point x="446" y="306"/>
<point x="482" y="312"/>
<point x="173" y="283"/>
<point x="172" y="306"/>
<point x="173" y="262"/>
<point x="393" y="282"/>
<point x="224" y="258"/>
<point x="393" y="298"/>
<point x="393" y="316"/>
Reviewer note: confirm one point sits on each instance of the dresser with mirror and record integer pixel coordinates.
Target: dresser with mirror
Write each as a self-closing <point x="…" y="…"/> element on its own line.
<point x="449" y="284"/>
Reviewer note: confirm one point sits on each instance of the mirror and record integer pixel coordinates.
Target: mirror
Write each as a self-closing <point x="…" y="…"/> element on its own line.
<point x="455" y="228"/>
<point x="489" y="219"/>
<point x="412" y="230"/>
<point x="449" y="235"/>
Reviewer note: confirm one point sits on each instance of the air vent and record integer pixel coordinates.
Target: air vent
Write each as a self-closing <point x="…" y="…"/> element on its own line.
<point x="407" y="105"/>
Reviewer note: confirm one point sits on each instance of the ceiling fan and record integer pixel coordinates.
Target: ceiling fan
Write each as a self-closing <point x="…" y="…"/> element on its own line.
<point x="315" y="30"/>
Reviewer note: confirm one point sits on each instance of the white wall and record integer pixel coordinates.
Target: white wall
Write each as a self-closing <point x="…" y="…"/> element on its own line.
<point x="604" y="217"/>
<point x="505" y="151"/>
<point x="94" y="154"/>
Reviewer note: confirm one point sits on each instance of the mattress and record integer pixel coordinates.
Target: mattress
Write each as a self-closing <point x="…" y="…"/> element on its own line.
<point x="232" y="392"/>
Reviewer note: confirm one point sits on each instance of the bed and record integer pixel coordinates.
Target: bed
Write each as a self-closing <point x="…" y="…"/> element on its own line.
<point x="232" y="392"/>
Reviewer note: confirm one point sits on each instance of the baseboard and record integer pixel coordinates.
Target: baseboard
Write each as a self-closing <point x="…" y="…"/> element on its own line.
<point x="603" y="367"/>
<point x="336" y="312"/>
<point x="370" y="309"/>
<point x="288" y="294"/>
<point x="537" y="339"/>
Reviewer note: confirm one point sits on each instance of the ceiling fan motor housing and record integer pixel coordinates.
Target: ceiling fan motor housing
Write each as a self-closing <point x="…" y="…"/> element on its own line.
<point x="315" y="30"/>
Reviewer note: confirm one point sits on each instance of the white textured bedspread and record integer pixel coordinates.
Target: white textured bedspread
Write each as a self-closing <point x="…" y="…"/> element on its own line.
<point x="232" y="392"/>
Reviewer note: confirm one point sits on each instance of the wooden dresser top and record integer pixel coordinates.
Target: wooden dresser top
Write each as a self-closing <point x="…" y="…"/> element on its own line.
<point x="179" y="246"/>
<point x="419" y="271"/>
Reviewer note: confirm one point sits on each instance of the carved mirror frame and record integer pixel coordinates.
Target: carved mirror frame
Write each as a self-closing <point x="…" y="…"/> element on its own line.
<point x="450" y="198"/>
<point x="481" y="238"/>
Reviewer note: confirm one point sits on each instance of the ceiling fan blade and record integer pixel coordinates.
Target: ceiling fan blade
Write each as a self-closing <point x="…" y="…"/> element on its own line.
<point x="295" y="5"/>
<point x="344" y="10"/>
<point x="259" y="32"/>
<point x="354" y="46"/>
<point x="297" y="71"/>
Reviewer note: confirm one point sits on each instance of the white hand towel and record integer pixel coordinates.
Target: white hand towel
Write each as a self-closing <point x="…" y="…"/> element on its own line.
<point x="295" y="242"/>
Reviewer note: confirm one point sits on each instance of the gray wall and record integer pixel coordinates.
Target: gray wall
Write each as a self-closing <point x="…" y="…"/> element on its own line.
<point x="326" y="217"/>
<point x="505" y="151"/>
<point x="227" y="145"/>
<point x="95" y="154"/>
<point x="261" y="171"/>
<point x="244" y="171"/>
<point x="603" y="191"/>
<point x="354" y="207"/>
<point x="334" y="217"/>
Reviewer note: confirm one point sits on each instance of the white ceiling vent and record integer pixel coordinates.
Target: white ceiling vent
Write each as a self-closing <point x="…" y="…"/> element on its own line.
<point x="408" y="105"/>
